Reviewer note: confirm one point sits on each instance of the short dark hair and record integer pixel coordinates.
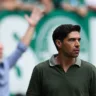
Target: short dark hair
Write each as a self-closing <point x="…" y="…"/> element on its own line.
<point x="62" y="32"/>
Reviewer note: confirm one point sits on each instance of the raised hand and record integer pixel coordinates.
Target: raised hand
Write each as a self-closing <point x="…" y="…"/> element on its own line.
<point x="35" y="16"/>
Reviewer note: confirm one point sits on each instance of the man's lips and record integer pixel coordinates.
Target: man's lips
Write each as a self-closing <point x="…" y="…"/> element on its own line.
<point x="76" y="50"/>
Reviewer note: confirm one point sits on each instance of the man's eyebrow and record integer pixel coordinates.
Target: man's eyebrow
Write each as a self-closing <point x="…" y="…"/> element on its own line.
<point x="74" y="38"/>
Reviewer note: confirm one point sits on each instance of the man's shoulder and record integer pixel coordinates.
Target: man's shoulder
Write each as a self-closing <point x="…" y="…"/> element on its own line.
<point x="85" y="62"/>
<point x="44" y="64"/>
<point x="87" y="65"/>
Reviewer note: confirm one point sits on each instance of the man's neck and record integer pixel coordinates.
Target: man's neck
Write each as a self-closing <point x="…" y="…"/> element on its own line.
<point x="65" y="62"/>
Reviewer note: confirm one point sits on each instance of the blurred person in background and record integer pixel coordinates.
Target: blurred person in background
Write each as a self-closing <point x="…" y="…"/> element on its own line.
<point x="91" y="4"/>
<point x="76" y="6"/>
<point x="15" y="5"/>
<point x="47" y="5"/>
<point x="64" y="74"/>
<point x="9" y="62"/>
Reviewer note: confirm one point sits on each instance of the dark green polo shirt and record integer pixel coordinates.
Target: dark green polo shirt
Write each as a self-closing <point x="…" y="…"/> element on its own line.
<point x="49" y="79"/>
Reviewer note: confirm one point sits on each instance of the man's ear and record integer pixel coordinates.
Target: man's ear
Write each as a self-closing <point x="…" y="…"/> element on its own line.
<point x="59" y="43"/>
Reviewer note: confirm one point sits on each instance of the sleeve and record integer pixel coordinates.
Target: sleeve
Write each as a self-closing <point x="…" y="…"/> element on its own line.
<point x="93" y="82"/>
<point x="12" y="59"/>
<point x="34" y="88"/>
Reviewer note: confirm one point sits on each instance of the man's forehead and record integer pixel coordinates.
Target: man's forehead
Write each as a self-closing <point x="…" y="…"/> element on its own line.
<point x="74" y="34"/>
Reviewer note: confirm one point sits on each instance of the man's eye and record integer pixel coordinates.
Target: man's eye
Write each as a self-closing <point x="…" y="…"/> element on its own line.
<point x="72" y="39"/>
<point x="79" y="39"/>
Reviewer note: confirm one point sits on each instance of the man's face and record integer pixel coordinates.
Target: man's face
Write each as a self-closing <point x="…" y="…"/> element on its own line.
<point x="1" y="51"/>
<point x="70" y="46"/>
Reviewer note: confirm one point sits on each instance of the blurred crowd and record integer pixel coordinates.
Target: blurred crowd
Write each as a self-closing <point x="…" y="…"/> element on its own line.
<point x="80" y="7"/>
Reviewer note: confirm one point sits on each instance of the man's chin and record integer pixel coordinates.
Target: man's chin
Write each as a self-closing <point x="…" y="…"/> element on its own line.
<point x="75" y="55"/>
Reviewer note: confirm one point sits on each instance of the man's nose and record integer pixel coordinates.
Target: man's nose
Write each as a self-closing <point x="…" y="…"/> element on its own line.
<point x="77" y="43"/>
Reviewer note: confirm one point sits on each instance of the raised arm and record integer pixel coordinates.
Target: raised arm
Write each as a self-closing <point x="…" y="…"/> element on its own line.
<point x="32" y="20"/>
<point x="25" y="40"/>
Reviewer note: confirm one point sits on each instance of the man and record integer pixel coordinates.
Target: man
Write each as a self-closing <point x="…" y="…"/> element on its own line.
<point x="8" y="63"/>
<point x="64" y="74"/>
